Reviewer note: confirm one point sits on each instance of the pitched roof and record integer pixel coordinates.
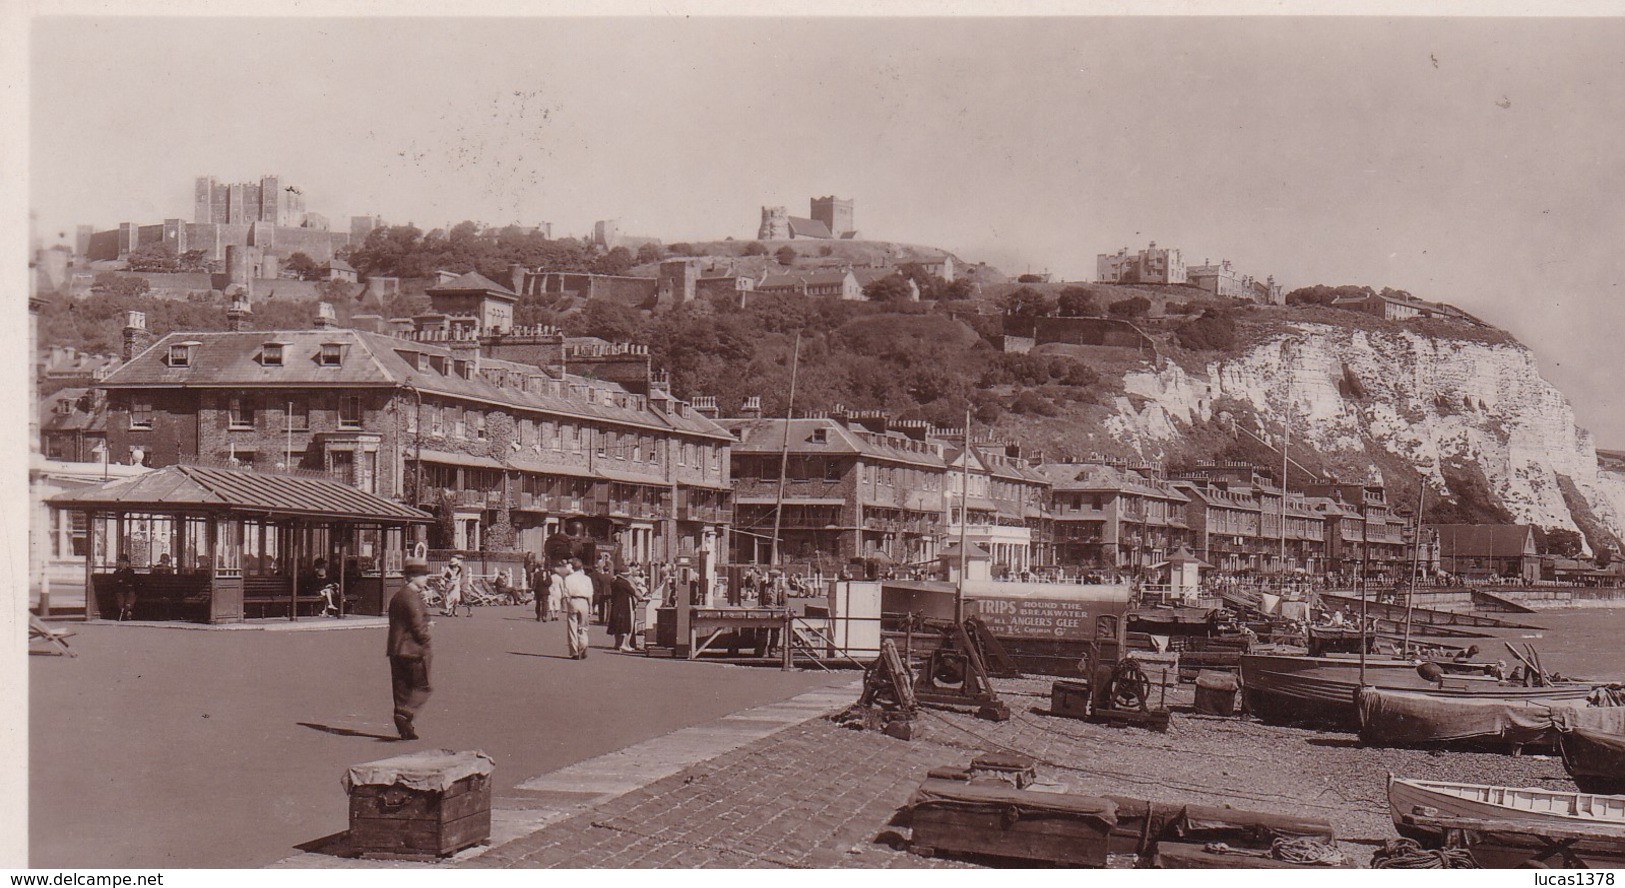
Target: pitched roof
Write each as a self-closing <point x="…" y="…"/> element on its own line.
<point x="337" y="264"/>
<point x="797" y="279"/>
<point x="800" y="227"/>
<point x="180" y="488"/>
<point x="767" y="436"/>
<point x="472" y="282"/>
<point x="1484" y="540"/>
<point x="233" y="360"/>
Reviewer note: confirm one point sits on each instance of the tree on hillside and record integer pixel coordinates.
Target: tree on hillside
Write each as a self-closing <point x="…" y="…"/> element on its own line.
<point x="302" y="266"/>
<point x="1320" y="294"/>
<point x="608" y="320"/>
<point x="755" y="248"/>
<point x="336" y="292"/>
<point x="1077" y="302"/>
<point x="1030" y="279"/>
<point x="648" y="253"/>
<point x="1213" y="331"/>
<point x="154" y="257"/>
<point x="786" y="255"/>
<point x="958" y="289"/>
<point x="1562" y="542"/>
<point x="109" y="283"/>
<point x="891" y="288"/>
<point x="1132" y="307"/>
<point x="681" y="248"/>
<point x="616" y="261"/>
<point x="1028" y="304"/>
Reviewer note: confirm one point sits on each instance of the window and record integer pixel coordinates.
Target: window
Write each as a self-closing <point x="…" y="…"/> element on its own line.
<point x="299" y="413"/>
<point x="479" y="426"/>
<point x="271" y="355"/>
<point x="820" y="436"/>
<point x="349" y="411"/>
<point x="240" y="414"/>
<point x="140" y="413"/>
<point x="332" y="354"/>
<point x="180" y="355"/>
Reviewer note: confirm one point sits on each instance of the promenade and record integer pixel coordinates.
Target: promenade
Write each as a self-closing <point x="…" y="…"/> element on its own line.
<point x="158" y="747"/>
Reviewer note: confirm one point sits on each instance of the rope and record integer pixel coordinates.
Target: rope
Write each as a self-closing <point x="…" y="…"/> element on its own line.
<point x="1409" y="854"/>
<point x="1307" y="850"/>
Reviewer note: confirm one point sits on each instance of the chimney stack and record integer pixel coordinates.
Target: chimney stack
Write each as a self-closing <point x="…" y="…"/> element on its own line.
<point x="706" y="406"/>
<point x="136" y="337"/>
<point x="752" y="408"/>
<point x="370" y="323"/>
<point x="326" y="316"/>
<point x="238" y="315"/>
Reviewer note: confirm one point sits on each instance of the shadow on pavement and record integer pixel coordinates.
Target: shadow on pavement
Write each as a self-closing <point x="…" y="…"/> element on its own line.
<point x="543" y="656"/>
<point x="346" y="732"/>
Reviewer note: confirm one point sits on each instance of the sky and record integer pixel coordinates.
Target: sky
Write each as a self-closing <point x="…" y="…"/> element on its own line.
<point x="1473" y="161"/>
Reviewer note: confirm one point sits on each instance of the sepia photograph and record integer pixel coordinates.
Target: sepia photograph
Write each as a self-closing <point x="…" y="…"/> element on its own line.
<point x="938" y="435"/>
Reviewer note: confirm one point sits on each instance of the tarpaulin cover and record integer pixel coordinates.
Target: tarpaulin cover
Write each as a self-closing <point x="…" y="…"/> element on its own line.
<point x="1401" y="718"/>
<point x="432" y="770"/>
<point x="1215" y="680"/>
<point x="1002" y="798"/>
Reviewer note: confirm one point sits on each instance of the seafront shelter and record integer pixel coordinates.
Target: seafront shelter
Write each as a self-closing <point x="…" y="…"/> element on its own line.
<point x="218" y="545"/>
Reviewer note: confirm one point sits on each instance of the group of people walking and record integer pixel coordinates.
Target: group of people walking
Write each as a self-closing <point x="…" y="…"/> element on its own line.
<point x="572" y="581"/>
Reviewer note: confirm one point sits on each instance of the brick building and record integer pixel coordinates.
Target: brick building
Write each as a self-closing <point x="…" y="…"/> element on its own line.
<point x="1114" y="518"/>
<point x="487" y="428"/>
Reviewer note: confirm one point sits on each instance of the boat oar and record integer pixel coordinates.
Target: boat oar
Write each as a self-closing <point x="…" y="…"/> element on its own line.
<point x="1521" y="658"/>
<point x="1539" y="669"/>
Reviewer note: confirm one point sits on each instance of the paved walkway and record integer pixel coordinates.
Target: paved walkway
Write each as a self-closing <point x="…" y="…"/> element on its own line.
<point x="588" y="786"/>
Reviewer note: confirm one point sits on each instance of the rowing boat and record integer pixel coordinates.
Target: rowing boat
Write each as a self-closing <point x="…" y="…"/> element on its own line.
<point x="1604" y="815"/>
<point x="1512" y="827"/>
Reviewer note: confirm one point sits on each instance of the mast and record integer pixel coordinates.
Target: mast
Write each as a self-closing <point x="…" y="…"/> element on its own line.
<point x="784" y="452"/>
<point x="1416" y="557"/>
<point x="1285" y="444"/>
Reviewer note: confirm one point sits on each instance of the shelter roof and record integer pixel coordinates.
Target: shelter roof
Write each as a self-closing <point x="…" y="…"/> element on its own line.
<point x="201" y="488"/>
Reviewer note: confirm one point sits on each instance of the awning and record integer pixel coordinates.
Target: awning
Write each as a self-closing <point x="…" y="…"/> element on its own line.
<point x="461" y="459"/>
<point x="203" y="489"/>
<point x="790" y="500"/>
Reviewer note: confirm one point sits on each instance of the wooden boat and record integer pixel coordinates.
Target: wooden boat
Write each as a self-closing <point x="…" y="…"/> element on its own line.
<point x="1323" y="690"/>
<point x="1503" y="722"/>
<point x="1595" y="759"/>
<point x="1601" y="815"/>
<point x="1507" y="826"/>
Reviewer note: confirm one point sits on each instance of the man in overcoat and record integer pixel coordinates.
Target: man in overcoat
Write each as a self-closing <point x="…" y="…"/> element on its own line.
<point x="408" y="648"/>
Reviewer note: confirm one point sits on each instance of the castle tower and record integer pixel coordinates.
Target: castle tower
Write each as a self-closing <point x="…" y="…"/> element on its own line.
<point x="836" y="214"/>
<point x="203" y="200"/>
<point x="678" y="280"/>
<point x="775" y="224"/>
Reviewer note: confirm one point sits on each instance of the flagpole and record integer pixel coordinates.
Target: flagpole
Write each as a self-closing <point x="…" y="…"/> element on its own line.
<point x="784" y="454"/>
<point x="964" y="519"/>
<point x="1416" y="554"/>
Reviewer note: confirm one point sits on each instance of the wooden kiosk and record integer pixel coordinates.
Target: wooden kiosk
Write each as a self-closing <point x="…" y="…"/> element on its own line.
<point x="218" y="545"/>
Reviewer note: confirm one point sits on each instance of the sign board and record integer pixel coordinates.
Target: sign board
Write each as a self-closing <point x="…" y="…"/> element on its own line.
<point x="1051" y="619"/>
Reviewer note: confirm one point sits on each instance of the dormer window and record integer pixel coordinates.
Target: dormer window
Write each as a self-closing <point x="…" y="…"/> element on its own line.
<point x="820" y="436"/>
<point x="332" y="354"/>
<point x="271" y="354"/>
<point x="180" y="354"/>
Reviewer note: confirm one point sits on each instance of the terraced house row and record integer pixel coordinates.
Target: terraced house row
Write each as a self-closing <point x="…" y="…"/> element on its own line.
<point x="509" y="434"/>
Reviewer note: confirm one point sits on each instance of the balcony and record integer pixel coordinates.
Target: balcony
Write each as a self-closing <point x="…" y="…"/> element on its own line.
<point x="759" y="488"/>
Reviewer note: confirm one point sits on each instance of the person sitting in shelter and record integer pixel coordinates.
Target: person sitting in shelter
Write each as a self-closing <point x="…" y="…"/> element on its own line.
<point x="164" y="567"/>
<point x="124" y="581"/>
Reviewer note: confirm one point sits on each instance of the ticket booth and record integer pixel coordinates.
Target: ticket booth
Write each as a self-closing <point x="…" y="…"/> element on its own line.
<point x="216" y="545"/>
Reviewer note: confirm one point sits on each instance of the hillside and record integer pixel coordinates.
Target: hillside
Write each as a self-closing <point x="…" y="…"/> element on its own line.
<point x="1459" y="407"/>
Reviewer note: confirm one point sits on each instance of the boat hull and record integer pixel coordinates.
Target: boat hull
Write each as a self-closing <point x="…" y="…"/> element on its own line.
<point x="1324" y="690"/>
<point x="1586" y="829"/>
<point x="1595" y="759"/>
<point x="1502" y="722"/>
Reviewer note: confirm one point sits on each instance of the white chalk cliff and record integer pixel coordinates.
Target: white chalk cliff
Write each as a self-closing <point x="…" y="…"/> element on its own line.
<point x="1426" y="400"/>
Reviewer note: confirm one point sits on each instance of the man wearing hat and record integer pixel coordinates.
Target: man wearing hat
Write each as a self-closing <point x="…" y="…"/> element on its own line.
<point x="408" y="648"/>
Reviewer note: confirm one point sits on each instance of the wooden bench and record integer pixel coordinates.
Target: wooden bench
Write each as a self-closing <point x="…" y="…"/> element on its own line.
<point x="183" y="596"/>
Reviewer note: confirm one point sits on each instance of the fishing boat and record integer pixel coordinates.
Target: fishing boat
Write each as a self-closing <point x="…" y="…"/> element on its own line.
<point x="1595" y="759"/>
<point x="1282" y="687"/>
<point x="1502" y="721"/>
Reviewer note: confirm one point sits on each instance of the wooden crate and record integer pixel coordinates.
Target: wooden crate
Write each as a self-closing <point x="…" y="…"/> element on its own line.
<point x="1069" y="698"/>
<point x="394" y="821"/>
<point x="1000" y="821"/>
